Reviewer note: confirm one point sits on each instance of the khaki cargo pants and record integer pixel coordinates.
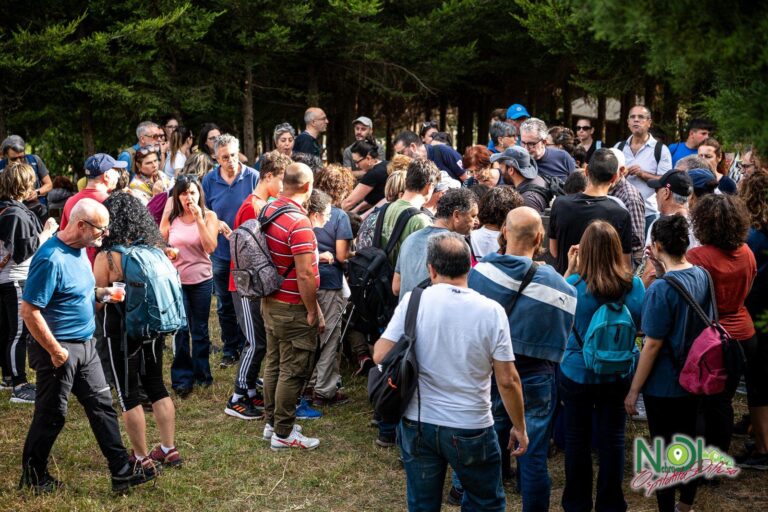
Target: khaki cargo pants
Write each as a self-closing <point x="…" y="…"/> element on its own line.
<point x="291" y="344"/>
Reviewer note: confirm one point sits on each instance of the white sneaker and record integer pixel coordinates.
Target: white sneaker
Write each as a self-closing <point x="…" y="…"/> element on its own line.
<point x="295" y="440"/>
<point x="269" y="430"/>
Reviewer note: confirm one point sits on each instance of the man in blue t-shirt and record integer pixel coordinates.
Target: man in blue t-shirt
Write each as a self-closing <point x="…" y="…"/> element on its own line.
<point x="698" y="132"/>
<point x="58" y="309"/>
<point x="551" y="161"/>
<point x="225" y="188"/>
<point x="445" y="157"/>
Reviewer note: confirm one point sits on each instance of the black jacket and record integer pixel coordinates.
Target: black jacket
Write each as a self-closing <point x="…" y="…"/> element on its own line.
<point x="20" y="229"/>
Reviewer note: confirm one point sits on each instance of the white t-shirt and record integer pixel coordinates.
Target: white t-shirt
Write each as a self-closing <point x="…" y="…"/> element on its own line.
<point x="12" y="271"/>
<point x="458" y="335"/>
<point x="484" y="241"/>
<point x="172" y="164"/>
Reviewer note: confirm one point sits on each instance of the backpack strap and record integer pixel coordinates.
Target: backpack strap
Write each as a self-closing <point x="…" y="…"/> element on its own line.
<point x="527" y="278"/>
<point x="397" y="231"/>
<point x="264" y="221"/>
<point x="376" y="241"/>
<point x="691" y="302"/>
<point x="412" y="313"/>
<point x="657" y="151"/>
<point x="621" y="145"/>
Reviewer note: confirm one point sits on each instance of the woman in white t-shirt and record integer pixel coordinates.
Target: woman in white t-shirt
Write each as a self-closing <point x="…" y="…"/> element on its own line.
<point x="493" y="209"/>
<point x="181" y="147"/>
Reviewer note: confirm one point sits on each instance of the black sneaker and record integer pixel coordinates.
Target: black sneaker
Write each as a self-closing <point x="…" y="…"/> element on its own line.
<point x="386" y="441"/>
<point x="45" y="485"/>
<point x="134" y="474"/>
<point x="6" y="383"/>
<point x="243" y="409"/>
<point x="454" y="496"/>
<point x="753" y="460"/>
<point x="227" y="361"/>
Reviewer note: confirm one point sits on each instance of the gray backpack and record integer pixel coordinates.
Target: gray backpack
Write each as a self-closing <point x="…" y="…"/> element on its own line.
<point x="254" y="273"/>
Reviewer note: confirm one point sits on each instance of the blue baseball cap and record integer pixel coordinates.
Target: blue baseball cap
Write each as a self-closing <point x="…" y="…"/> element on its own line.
<point x="517" y="111"/>
<point x="703" y="180"/>
<point x="98" y="164"/>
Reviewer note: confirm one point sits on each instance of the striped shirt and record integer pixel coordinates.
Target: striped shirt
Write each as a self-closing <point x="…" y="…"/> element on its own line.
<point x="289" y="235"/>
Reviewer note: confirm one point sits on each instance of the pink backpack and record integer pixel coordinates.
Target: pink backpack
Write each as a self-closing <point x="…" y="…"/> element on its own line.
<point x="713" y="357"/>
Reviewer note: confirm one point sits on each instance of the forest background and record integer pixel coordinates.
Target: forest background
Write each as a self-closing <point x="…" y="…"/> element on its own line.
<point x="77" y="76"/>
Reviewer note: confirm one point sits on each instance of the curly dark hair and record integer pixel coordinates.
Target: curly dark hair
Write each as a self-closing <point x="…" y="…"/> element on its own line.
<point x="455" y="199"/>
<point x="753" y="190"/>
<point x="336" y="181"/>
<point x="671" y="231"/>
<point x="720" y="220"/>
<point x="318" y="202"/>
<point x="496" y="204"/>
<point x="130" y="223"/>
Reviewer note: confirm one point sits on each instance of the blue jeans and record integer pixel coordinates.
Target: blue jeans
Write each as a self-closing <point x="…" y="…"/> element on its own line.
<point x="540" y="394"/>
<point x="580" y="400"/>
<point x="473" y="454"/>
<point x="193" y="367"/>
<point x="232" y="337"/>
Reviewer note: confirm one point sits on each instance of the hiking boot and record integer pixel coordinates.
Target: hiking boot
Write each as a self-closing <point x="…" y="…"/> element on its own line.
<point x="24" y="394"/>
<point x="243" y="409"/>
<point x="147" y="464"/>
<point x="305" y="412"/>
<point x="133" y="475"/>
<point x="269" y="430"/>
<point x="454" y="497"/>
<point x="365" y="364"/>
<point x="386" y="440"/>
<point x="46" y="485"/>
<point x="295" y="440"/>
<point x="227" y="361"/>
<point x="172" y="459"/>
<point x="338" y="399"/>
<point x="257" y="400"/>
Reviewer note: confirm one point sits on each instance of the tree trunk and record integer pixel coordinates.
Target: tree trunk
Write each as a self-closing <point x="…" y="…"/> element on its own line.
<point x="650" y="94"/>
<point x="627" y="101"/>
<point x="567" y="107"/>
<point x="601" y="109"/>
<point x="465" y="121"/>
<point x="86" y="125"/>
<point x="249" y="139"/>
<point x="3" y="126"/>
<point x="443" y="112"/>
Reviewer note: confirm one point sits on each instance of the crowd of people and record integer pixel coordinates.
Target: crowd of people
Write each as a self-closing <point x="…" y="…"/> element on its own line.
<point x="518" y="246"/>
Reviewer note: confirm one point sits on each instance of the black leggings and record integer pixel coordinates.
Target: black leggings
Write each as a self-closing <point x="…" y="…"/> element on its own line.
<point x="145" y="358"/>
<point x="667" y="417"/>
<point x="13" y="333"/>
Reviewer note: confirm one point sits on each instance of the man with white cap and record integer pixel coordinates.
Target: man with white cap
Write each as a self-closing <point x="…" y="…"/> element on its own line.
<point x="635" y="204"/>
<point x="363" y="128"/>
<point x="519" y="170"/>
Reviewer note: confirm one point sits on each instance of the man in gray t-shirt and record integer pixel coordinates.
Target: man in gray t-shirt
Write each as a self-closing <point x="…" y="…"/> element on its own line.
<point x="456" y="211"/>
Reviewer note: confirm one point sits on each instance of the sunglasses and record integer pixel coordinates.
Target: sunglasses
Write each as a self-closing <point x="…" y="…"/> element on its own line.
<point x="147" y="150"/>
<point x="187" y="178"/>
<point x="583" y="128"/>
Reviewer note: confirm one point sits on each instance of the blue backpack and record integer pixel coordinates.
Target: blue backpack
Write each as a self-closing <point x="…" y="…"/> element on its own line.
<point x="609" y="346"/>
<point x="154" y="303"/>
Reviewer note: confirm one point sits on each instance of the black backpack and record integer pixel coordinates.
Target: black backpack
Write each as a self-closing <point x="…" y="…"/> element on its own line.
<point x="554" y="187"/>
<point x="656" y="150"/>
<point x="370" y="275"/>
<point x="392" y="383"/>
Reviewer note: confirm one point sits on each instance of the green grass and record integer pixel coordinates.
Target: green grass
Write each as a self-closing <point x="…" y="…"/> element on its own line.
<point x="229" y="468"/>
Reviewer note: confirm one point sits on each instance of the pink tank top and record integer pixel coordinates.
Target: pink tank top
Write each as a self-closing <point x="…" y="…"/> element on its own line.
<point x="193" y="263"/>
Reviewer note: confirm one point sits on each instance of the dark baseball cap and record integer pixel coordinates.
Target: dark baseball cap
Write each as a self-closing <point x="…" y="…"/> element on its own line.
<point x="518" y="158"/>
<point x="677" y="181"/>
<point x="98" y="164"/>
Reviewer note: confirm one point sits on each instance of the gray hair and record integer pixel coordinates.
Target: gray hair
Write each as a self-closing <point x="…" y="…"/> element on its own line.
<point x="683" y="200"/>
<point x="225" y="140"/>
<point x="144" y="127"/>
<point x="501" y="129"/>
<point x="535" y="125"/>
<point x="691" y="162"/>
<point x="281" y="129"/>
<point x="449" y="255"/>
<point x="309" y="115"/>
<point x="15" y="143"/>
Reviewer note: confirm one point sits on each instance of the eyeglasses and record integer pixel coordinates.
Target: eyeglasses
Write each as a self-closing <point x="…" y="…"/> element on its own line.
<point x="101" y="230"/>
<point x="530" y="144"/>
<point x="157" y="136"/>
<point x="17" y="158"/>
<point x="745" y="167"/>
<point x="227" y="158"/>
<point x="580" y="128"/>
<point x="357" y="162"/>
<point x="212" y="138"/>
